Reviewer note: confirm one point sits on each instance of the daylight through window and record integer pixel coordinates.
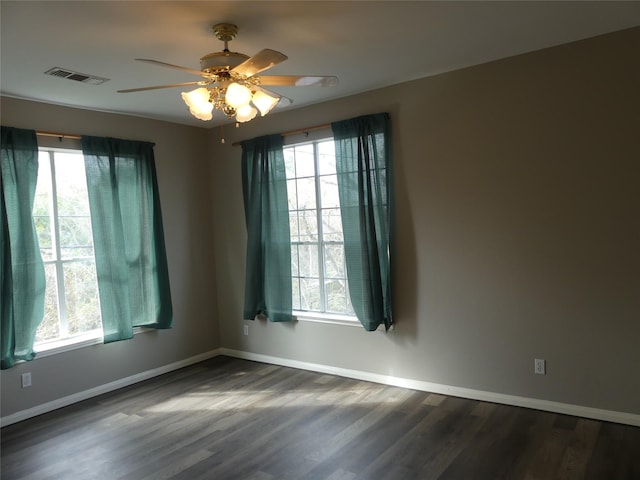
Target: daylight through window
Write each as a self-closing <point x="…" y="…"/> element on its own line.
<point x="63" y="224"/>
<point x="319" y="279"/>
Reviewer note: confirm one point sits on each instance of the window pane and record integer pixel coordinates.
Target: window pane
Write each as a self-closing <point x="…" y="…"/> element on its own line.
<point x="329" y="191"/>
<point x="43" y="229"/>
<point x="310" y="294"/>
<point x="306" y="193"/>
<point x="305" y="165"/>
<point x="308" y="223"/>
<point x="326" y="147"/>
<point x="295" y="268"/>
<point x="42" y="207"/>
<point x="334" y="261"/>
<point x="289" y="163"/>
<point x="49" y="329"/>
<point x="337" y="296"/>
<point x="73" y="207"/>
<point x="75" y="237"/>
<point x="332" y="225"/>
<point x="295" y="293"/>
<point x="326" y="158"/>
<point x="81" y="288"/>
<point x="293" y="226"/>
<point x="71" y="184"/>
<point x="292" y="194"/>
<point x="308" y="258"/>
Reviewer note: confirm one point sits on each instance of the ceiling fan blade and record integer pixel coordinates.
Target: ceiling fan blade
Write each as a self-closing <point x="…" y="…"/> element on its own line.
<point x="177" y="67"/>
<point x="260" y="61"/>
<point x="298" y="81"/>
<point x="141" y="89"/>
<point x="283" y="101"/>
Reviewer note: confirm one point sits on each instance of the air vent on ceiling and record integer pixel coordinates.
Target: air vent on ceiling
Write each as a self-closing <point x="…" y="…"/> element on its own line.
<point x="78" y="77"/>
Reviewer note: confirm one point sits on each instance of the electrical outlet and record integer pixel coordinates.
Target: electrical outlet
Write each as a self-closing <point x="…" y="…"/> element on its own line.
<point x="245" y="329"/>
<point x="540" y="366"/>
<point x="26" y="379"/>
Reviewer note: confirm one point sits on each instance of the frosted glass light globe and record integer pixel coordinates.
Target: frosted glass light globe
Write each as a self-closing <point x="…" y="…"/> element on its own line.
<point x="237" y="95"/>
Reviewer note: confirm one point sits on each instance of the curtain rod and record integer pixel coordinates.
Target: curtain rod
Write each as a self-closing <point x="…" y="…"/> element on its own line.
<point x="59" y="135"/>
<point x="295" y="132"/>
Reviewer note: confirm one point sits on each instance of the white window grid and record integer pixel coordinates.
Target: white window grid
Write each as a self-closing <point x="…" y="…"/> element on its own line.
<point x="319" y="243"/>
<point x="59" y="260"/>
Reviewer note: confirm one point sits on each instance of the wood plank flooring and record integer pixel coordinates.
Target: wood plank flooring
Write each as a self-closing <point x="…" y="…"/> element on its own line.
<point x="234" y="419"/>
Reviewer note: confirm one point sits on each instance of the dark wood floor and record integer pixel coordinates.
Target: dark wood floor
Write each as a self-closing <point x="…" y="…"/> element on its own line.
<point x="234" y="419"/>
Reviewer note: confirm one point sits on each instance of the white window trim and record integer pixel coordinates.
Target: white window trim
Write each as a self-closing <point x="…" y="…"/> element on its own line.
<point x="318" y="136"/>
<point x="332" y="318"/>
<point x="87" y="339"/>
<point x="59" y="345"/>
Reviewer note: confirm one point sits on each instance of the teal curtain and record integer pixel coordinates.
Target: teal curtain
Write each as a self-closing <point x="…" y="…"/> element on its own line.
<point x="268" y="268"/>
<point x="22" y="279"/>
<point x="128" y="237"/>
<point x="363" y="164"/>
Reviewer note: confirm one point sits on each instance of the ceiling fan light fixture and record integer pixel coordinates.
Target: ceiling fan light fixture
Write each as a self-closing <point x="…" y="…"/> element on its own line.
<point x="264" y="102"/>
<point x="237" y="96"/>
<point x="230" y="81"/>
<point x="246" y="113"/>
<point x="198" y="102"/>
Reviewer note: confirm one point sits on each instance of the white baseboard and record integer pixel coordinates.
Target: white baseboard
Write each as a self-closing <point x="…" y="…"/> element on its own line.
<point x="534" y="403"/>
<point x="555" y="407"/>
<point x="107" y="387"/>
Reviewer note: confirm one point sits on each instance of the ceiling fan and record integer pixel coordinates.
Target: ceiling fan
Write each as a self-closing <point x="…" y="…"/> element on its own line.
<point x="230" y="82"/>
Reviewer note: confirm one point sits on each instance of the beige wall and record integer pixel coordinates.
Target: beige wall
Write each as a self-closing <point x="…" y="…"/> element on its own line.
<point x="518" y="230"/>
<point x="518" y="225"/>
<point x="183" y="169"/>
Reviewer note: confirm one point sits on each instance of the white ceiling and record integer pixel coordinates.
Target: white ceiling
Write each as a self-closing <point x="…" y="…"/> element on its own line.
<point x="366" y="44"/>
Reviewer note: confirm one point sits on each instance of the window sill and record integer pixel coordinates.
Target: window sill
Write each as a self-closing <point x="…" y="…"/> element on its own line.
<point x="88" y="339"/>
<point x="331" y="318"/>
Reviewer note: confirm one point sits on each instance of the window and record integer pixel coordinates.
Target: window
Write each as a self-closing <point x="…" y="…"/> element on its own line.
<point x="63" y="225"/>
<point x="319" y="280"/>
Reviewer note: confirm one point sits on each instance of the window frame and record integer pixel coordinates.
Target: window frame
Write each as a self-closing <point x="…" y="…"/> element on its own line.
<point x="88" y="337"/>
<point x="314" y="138"/>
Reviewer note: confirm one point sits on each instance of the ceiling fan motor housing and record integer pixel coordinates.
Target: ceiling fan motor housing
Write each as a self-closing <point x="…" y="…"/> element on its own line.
<point x="221" y="61"/>
<point x="225" y="31"/>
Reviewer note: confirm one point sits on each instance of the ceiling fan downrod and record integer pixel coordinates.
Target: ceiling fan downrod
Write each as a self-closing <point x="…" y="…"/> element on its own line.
<point x="225" y="32"/>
